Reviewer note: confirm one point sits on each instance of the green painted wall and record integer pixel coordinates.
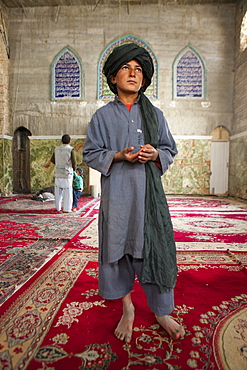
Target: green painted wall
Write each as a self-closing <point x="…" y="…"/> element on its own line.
<point x="5" y="166"/>
<point x="41" y="151"/>
<point x="238" y="167"/>
<point x="190" y="172"/>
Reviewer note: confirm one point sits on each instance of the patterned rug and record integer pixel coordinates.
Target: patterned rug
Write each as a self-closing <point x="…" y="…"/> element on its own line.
<point x="199" y="224"/>
<point x="87" y="239"/>
<point x="28" y="242"/>
<point x="60" y="321"/>
<point x="24" y="204"/>
<point x="35" y="226"/>
<point x="223" y="228"/>
<point x="205" y="204"/>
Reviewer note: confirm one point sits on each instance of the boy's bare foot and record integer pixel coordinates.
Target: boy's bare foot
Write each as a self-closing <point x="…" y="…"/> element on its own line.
<point x="175" y="330"/>
<point x="125" y="325"/>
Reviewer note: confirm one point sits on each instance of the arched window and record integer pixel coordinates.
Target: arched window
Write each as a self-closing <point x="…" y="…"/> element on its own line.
<point x="243" y="33"/>
<point x="103" y="89"/>
<point x="66" y="76"/>
<point x="188" y="76"/>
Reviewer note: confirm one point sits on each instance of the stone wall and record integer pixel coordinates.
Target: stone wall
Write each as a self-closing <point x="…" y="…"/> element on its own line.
<point x="5" y="123"/>
<point x="238" y="166"/>
<point x="37" y="35"/>
<point x="238" y="142"/>
<point x="5" y="127"/>
<point x="240" y="83"/>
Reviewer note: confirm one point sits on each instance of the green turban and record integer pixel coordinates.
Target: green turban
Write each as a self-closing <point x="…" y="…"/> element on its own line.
<point x="122" y="55"/>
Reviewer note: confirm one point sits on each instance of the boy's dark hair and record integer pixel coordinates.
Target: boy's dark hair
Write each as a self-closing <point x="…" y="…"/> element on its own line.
<point x="66" y="139"/>
<point x="80" y="170"/>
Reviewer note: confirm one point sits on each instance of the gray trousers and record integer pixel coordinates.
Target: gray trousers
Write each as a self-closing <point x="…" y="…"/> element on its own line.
<point x="116" y="280"/>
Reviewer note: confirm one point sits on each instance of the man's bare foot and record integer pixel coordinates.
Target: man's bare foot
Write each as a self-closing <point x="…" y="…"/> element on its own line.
<point x="125" y="325"/>
<point x="175" y="330"/>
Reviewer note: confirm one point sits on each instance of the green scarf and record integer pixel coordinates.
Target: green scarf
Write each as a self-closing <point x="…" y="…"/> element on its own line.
<point x="159" y="264"/>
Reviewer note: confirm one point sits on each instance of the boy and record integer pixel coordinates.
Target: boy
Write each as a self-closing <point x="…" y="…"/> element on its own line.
<point x="129" y="142"/>
<point x="77" y="187"/>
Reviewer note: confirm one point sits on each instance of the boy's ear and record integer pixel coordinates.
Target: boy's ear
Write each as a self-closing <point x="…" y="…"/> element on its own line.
<point x="113" y="79"/>
<point x="143" y="81"/>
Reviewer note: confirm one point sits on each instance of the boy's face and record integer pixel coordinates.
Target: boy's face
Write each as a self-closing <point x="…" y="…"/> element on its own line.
<point x="129" y="79"/>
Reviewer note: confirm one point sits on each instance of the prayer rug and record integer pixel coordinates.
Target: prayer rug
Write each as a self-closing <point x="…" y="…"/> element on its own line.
<point x="24" y="204"/>
<point x="219" y="228"/>
<point x="27" y="243"/>
<point x="88" y="237"/>
<point x="205" y="203"/>
<point x="60" y="321"/>
<point x="22" y="260"/>
<point x="209" y="223"/>
<point x="213" y="230"/>
<point x="35" y="227"/>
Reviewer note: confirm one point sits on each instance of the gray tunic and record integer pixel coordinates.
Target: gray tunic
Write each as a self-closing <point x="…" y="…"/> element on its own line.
<point x="121" y="216"/>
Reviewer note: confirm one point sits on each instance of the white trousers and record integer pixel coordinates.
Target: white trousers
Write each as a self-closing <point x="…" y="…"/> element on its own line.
<point x="63" y="194"/>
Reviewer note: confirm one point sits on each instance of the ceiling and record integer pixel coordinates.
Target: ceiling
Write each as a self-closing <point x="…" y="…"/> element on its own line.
<point x="95" y="3"/>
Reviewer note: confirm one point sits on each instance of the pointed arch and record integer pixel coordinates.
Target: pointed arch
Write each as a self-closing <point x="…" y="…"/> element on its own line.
<point x="189" y="76"/>
<point x="67" y="76"/>
<point x="104" y="92"/>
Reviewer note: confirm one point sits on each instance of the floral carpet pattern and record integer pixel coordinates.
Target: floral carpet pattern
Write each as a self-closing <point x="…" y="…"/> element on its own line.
<point x="29" y="241"/>
<point x="24" y="204"/>
<point x="56" y="323"/>
<point x="55" y="319"/>
<point x="37" y="227"/>
<point x="199" y="224"/>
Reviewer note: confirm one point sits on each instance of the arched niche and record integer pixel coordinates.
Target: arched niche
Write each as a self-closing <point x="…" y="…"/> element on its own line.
<point x="189" y="76"/>
<point x="21" y="160"/>
<point x="67" y="76"/>
<point x="104" y="92"/>
<point x="220" y="133"/>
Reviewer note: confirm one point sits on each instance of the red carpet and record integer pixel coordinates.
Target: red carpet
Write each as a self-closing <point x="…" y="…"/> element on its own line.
<point x="24" y="204"/>
<point x="52" y="326"/>
<point x="226" y="228"/>
<point x="28" y="242"/>
<point x="56" y="320"/>
<point x="199" y="224"/>
<point x="208" y="220"/>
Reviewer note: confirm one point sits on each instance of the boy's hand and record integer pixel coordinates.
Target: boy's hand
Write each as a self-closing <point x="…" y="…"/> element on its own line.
<point x="148" y="153"/>
<point x="127" y="155"/>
